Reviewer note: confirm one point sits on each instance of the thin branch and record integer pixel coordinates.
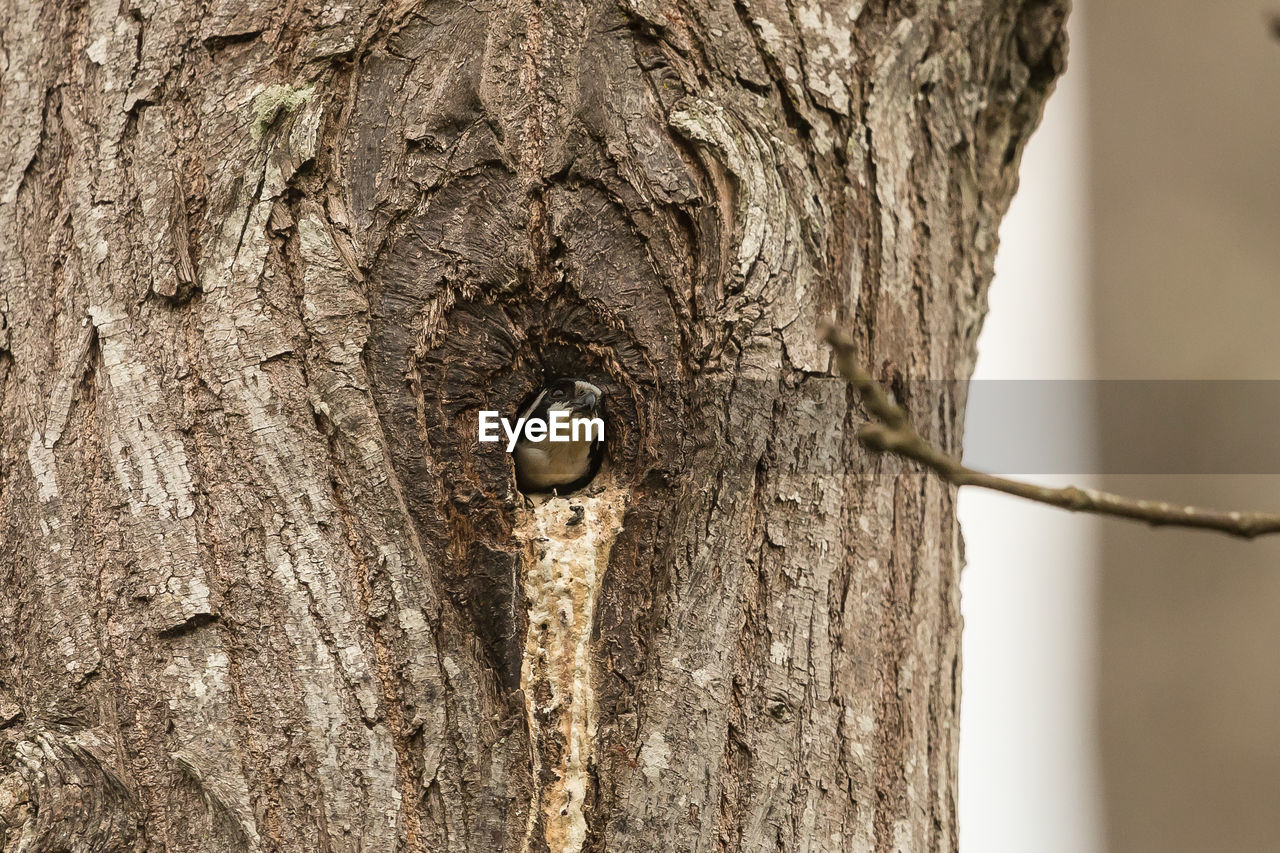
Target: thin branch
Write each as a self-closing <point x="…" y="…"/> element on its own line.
<point x="892" y="432"/>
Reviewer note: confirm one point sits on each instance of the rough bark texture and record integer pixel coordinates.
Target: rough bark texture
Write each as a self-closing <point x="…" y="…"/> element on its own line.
<point x="262" y="263"/>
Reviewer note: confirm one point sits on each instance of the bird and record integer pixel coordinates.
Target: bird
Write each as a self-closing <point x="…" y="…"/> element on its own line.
<point x="559" y="466"/>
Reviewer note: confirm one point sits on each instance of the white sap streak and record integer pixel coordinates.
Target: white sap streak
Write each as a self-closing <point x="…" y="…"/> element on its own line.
<point x="567" y="546"/>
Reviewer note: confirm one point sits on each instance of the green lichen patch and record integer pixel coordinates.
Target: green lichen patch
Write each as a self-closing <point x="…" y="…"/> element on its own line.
<point x="273" y="101"/>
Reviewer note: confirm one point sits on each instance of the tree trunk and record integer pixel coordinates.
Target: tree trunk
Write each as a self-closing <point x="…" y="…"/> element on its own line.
<point x="262" y="265"/>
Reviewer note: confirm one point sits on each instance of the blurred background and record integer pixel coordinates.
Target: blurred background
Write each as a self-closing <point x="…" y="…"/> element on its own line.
<point x="1122" y="684"/>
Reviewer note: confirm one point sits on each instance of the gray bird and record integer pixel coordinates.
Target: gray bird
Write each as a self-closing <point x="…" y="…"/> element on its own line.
<point x="562" y="466"/>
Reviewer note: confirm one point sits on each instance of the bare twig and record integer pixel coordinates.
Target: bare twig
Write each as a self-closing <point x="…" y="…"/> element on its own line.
<point x="892" y="432"/>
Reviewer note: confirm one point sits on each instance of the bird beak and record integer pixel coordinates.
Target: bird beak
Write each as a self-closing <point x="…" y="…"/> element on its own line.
<point x="588" y="401"/>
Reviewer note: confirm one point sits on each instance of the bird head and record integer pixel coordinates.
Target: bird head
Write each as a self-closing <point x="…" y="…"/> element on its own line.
<point x="578" y="397"/>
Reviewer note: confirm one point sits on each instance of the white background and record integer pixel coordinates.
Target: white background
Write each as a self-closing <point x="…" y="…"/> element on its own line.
<point x="1029" y="781"/>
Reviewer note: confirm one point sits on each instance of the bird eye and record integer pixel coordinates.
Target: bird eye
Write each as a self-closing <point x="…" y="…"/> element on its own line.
<point x="557" y="393"/>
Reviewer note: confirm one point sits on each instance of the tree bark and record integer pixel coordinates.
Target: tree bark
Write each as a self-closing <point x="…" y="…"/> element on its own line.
<point x="262" y="265"/>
